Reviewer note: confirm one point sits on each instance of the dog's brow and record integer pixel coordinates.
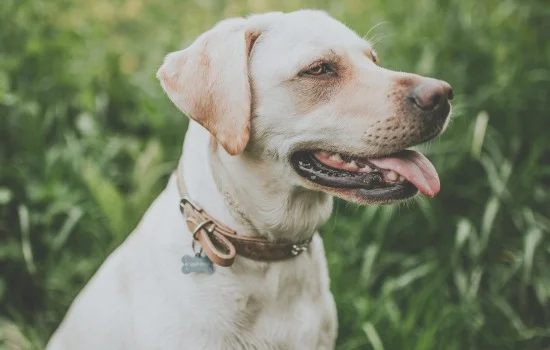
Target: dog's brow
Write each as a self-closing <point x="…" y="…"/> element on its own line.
<point x="328" y="56"/>
<point x="331" y="55"/>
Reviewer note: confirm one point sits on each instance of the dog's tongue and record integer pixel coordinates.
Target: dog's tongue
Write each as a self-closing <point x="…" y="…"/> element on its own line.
<point x="415" y="167"/>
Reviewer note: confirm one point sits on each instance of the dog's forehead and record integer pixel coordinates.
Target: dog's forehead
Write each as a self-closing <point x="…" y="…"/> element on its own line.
<point x="312" y="29"/>
<point x="298" y="38"/>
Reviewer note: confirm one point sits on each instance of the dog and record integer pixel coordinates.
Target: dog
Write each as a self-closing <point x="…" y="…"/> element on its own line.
<point x="287" y="111"/>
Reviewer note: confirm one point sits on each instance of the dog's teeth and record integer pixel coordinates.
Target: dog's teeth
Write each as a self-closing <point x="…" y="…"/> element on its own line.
<point x="365" y="169"/>
<point x="336" y="157"/>
<point x="323" y="154"/>
<point x="401" y="178"/>
<point x="351" y="166"/>
<point x="392" y="176"/>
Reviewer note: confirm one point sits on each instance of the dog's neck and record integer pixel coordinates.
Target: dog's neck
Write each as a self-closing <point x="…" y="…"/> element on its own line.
<point x="251" y="197"/>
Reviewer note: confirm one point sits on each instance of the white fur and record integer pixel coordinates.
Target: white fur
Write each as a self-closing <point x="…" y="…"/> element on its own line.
<point x="139" y="299"/>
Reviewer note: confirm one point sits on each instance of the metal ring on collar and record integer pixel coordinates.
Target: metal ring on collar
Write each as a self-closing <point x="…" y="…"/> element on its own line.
<point x="201" y="226"/>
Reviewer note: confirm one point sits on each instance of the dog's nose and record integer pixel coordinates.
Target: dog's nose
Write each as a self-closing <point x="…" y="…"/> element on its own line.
<point x="431" y="94"/>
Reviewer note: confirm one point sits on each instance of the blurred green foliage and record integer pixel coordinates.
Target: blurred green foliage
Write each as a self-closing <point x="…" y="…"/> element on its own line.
<point x="88" y="140"/>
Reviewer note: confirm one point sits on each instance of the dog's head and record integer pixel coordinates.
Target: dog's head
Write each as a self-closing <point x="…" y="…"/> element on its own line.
<point x="305" y="93"/>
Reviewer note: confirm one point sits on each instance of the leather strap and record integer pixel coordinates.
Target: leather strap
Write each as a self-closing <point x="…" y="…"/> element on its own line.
<point x="221" y="244"/>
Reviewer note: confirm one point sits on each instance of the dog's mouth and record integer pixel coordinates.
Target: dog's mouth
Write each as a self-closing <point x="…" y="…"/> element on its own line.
<point x="379" y="179"/>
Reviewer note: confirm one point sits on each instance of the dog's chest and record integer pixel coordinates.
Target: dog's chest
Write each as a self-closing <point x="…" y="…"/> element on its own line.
<point x="281" y="309"/>
<point x="260" y="322"/>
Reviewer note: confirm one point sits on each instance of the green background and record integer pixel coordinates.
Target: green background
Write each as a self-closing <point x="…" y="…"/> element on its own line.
<point x="88" y="140"/>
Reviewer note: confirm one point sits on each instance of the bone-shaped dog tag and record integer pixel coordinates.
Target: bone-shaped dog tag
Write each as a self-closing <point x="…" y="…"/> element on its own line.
<point x="197" y="263"/>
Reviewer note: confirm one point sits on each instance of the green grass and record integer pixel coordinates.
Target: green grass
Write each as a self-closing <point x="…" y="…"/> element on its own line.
<point x="88" y="140"/>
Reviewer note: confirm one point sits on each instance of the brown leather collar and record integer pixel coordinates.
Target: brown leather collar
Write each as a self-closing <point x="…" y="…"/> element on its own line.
<point x="211" y="235"/>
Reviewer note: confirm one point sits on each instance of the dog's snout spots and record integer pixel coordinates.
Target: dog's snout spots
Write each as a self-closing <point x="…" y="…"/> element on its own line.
<point x="406" y="81"/>
<point x="419" y="110"/>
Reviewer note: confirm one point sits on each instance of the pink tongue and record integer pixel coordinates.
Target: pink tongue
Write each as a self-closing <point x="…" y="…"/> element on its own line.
<point x="415" y="167"/>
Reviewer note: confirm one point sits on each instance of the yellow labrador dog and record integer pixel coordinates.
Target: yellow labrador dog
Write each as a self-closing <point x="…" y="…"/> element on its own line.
<point x="288" y="110"/>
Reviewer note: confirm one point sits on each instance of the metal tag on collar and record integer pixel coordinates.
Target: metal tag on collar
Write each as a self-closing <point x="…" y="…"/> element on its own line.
<point x="197" y="263"/>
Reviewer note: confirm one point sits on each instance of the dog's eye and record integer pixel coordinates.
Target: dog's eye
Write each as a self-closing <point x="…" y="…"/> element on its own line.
<point x="318" y="69"/>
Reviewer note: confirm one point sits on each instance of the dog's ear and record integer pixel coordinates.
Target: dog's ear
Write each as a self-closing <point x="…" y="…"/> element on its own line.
<point x="209" y="82"/>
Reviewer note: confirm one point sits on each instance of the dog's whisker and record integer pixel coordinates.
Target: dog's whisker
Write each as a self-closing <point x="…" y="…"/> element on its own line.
<point x="375" y="36"/>
<point x="356" y="210"/>
<point x="374" y="27"/>
<point x="379" y="39"/>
